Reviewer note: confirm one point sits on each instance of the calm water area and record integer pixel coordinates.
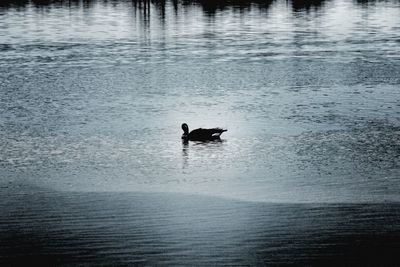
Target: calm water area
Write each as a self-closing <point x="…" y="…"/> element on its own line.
<point x="92" y="97"/>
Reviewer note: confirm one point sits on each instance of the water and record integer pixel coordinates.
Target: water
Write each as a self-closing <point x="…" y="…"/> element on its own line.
<point x="94" y="101"/>
<point x="93" y="93"/>
<point x="120" y="229"/>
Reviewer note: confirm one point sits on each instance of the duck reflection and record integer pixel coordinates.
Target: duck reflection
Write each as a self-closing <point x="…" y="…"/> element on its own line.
<point x="185" y="153"/>
<point x="200" y="149"/>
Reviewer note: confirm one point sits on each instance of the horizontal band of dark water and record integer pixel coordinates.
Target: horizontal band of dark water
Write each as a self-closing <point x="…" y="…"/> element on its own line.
<point x="59" y="228"/>
<point x="209" y="5"/>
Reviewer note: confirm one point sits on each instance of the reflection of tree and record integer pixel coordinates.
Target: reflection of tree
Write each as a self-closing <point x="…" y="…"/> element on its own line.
<point x="47" y="3"/>
<point x="366" y="3"/>
<point x="13" y="3"/>
<point x="160" y="6"/>
<point x="210" y="7"/>
<point x="301" y="5"/>
<point x="143" y="8"/>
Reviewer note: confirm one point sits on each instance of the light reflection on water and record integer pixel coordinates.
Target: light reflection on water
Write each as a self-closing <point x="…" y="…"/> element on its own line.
<point x="308" y="92"/>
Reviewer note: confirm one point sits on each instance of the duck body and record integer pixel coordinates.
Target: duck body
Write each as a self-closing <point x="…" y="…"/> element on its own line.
<point x="201" y="134"/>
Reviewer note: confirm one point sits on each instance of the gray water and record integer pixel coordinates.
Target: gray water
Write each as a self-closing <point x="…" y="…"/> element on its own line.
<point x="153" y="229"/>
<point x="93" y="93"/>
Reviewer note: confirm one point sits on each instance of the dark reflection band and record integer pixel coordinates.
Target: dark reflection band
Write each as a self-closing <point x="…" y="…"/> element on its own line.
<point x="209" y="7"/>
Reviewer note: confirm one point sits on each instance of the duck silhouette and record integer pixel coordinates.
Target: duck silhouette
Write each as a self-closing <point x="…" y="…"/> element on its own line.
<point x="201" y="134"/>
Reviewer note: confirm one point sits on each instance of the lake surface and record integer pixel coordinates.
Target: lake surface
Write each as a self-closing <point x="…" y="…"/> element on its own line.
<point x="159" y="229"/>
<point x="93" y="94"/>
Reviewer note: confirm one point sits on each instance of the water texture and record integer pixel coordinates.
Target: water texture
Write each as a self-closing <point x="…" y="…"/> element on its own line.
<point x="92" y="96"/>
<point x="121" y="229"/>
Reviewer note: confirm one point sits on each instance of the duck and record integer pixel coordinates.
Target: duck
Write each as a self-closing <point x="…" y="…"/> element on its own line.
<point x="201" y="134"/>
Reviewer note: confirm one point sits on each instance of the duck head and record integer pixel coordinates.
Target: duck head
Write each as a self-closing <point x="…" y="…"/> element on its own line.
<point x="185" y="129"/>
